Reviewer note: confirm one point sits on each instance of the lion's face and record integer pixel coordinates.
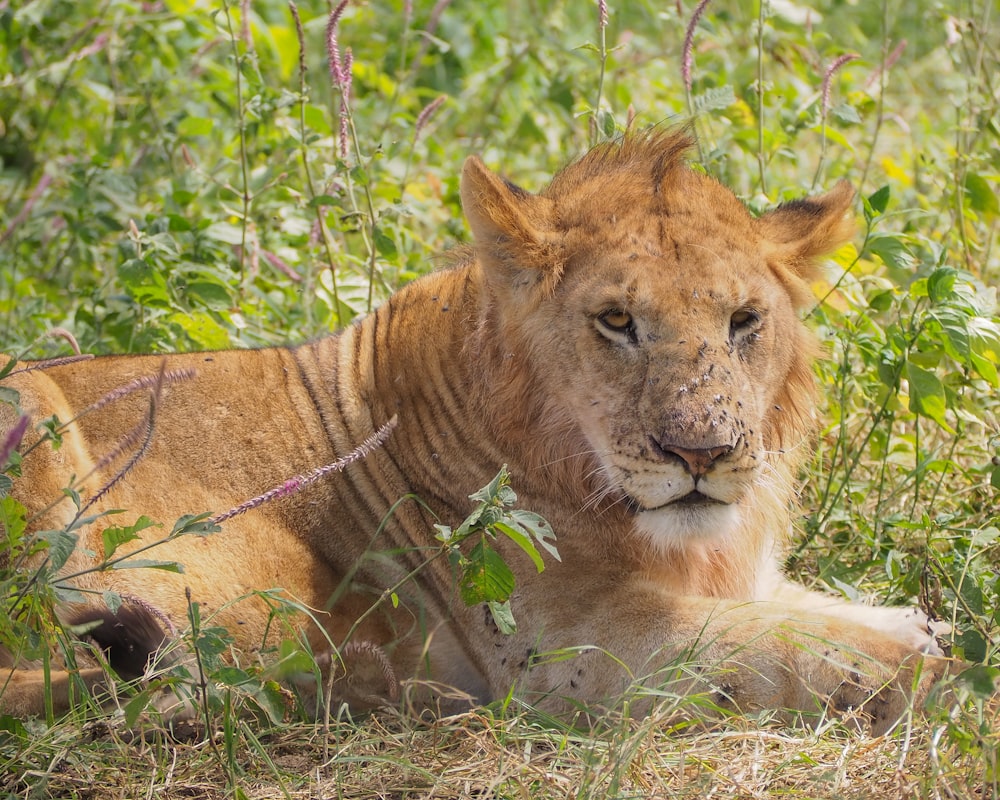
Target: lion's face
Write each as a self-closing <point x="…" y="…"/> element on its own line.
<point x="669" y="354"/>
<point x="664" y="326"/>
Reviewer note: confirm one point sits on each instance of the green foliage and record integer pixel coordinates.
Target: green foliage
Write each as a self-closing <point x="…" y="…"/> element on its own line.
<point x="916" y="349"/>
<point x="484" y="576"/>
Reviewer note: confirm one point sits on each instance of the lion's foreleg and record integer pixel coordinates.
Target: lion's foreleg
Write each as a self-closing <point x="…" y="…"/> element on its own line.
<point x="908" y="625"/>
<point x="744" y="656"/>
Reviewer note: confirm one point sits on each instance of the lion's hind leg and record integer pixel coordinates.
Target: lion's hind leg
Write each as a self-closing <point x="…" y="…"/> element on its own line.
<point x="129" y="639"/>
<point x="32" y="692"/>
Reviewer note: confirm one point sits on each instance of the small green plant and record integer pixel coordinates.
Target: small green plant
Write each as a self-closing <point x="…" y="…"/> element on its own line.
<point x="484" y="576"/>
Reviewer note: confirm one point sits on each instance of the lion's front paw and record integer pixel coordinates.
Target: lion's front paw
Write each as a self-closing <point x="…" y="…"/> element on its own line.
<point x="911" y="626"/>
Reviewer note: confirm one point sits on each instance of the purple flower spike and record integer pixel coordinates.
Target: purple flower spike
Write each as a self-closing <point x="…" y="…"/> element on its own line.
<point x="686" y="57"/>
<point x="13" y="438"/>
<point x="333" y="46"/>
<point x="299" y="482"/>
<point x="828" y="75"/>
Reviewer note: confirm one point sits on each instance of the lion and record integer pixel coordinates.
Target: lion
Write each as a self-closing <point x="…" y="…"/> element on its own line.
<point x="627" y="341"/>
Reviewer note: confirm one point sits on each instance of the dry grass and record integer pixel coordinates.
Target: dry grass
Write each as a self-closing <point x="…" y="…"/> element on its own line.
<point x="520" y="756"/>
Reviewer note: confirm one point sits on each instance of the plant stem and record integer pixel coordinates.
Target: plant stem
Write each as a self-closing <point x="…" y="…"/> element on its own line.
<point x="602" y="33"/>
<point x="880" y="102"/>
<point x="761" y="159"/>
<point x="304" y="154"/>
<point x="194" y="618"/>
<point x="242" y="127"/>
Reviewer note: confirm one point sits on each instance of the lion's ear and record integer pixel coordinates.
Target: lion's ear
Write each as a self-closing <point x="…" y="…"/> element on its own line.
<point x="510" y="225"/>
<point x="798" y="233"/>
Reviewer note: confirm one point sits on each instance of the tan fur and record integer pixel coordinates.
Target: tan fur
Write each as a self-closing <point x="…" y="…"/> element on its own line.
<point x="504" y="358"/>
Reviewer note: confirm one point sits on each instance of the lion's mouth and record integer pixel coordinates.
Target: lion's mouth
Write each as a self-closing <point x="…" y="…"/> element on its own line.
<point x="693" y="499"/>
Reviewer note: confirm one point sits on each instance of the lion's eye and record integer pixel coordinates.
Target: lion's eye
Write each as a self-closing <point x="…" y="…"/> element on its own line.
<point x="618" y="321"/>
<point x="743" y="323"/>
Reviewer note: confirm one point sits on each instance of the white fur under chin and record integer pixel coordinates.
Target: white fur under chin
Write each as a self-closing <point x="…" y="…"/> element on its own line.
<point x="676" y="526"/>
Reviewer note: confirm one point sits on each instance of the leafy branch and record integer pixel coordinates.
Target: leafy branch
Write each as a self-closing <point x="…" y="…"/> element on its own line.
<point x="484" y="575"/>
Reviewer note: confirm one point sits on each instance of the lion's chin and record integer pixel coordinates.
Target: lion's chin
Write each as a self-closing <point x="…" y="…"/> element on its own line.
<point x="690" y="519"/>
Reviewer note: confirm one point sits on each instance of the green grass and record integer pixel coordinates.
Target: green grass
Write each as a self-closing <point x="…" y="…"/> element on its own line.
<point x="172" y="180"/>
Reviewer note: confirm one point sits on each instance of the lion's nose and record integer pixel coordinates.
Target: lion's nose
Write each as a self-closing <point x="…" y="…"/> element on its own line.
<point x="697" y="460"/>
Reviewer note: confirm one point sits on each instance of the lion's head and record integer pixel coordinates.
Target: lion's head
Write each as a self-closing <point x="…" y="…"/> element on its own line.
<point x="650" y="324"/>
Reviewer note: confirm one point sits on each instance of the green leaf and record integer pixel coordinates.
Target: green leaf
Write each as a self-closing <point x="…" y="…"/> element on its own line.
<point x="980" y="195"/>
<point x="195" y="523"/>
<point x="876" y="203"/>
<point x="13" y="519"/>
<point x="323" y="200"/>
<point x="444" y="533"/>
<point x="213" y="641"/>
<point x="714" y="99"/>
<point x="486" y="577"/>
<point x="520" y="537"/>
<point x="316" y="119"/>
<point x="195" y="126"/>
<point x="202" y="329"/>
<point x="293" y="660"/>
<point x="881" y="301"/>
<point x="13" y="726"/>
<point x="986" y="369"/>
<point x="231" y="676"/>
<point x="61" y="545"/>
<point x="139" y="703"/>
<point x="52" y="428"/>
<point x="489" y="492"/>
<point x="503" y="616"/>
<point x="606" y="123"/>
<point x="146" y="563"/>
<point x="210" y="292"/>
<point x="10" y="396"/>
<point x="112" y="600"/>
<point x="73" y="495"/>
<point x="225" y="232"/>
<point x="385" y="245"/>
<point x="68" y="594"/>
<point x="892" y="251"/>
<point x="985" y="537"/>
<point x="182" y="197"/>
<point x="981" y="680"/>
<point x="941" y="284"/>
<point x="927" y="395"/>
<point x="984" y="341"/>
<point x="539" y="528"/>
<point x="846" y="113"/>
<point x="272" y="700"/>
<point x="5" y="391"/>
<point x="144" y="283"/>
<point x="114" y="537"/>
